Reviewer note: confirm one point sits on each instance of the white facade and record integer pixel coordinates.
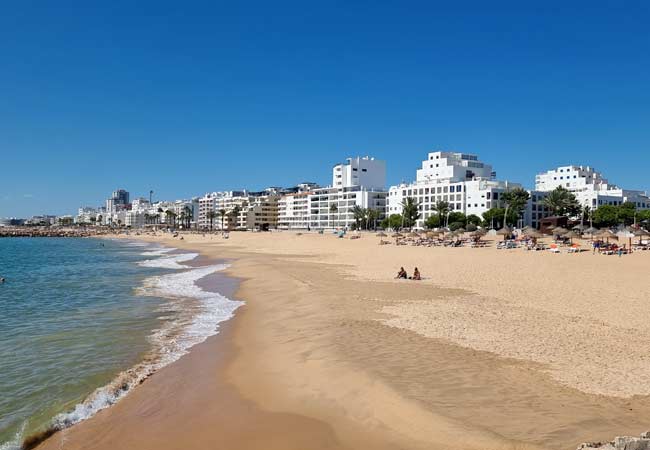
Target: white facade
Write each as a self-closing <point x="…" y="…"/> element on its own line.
<point x="589" y="186"/>
<point x="134" y="219"/>
<point x="460" y="179"/>
<point x="322" y="215"/>
<point x="367" y="172"/>
<point x="293" y="211"/>
<point x="359" y="182"/>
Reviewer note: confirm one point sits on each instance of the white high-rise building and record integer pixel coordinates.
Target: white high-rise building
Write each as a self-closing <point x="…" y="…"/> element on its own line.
<point x="590" y="187"/>
<point x="467" y="184"/>
<point x="367" y="172"/>
<point x="358" y="182"/>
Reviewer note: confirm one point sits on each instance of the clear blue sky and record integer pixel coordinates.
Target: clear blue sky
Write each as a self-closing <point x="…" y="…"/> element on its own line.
<point x="188" y="97"/>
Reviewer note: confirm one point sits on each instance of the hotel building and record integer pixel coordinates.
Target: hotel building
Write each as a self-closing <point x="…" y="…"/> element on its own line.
<point x="358" y="182"/>
<point x="590" y="187"/>
<point x="257" y="210"/>
<point x="467" y="184"/>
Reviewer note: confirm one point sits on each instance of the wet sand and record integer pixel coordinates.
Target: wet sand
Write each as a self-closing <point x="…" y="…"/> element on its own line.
<point x="331" y="352"/>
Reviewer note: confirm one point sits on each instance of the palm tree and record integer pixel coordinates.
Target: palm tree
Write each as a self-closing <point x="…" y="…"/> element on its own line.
<point x="171" y="217"/>
<point x="442" y="207"/>
<point x="333" y="209"/>
<point x="410" y="212"/>
<point x="188" y="216"/>
<point x="562" y="202"/>
<point x="371" y="218"/>
<point x="99" y="219"/>
<point x="515" y="200"/>
<point x="222" y="213"/>
<point x="234" y="215"/>
<point x="359" y="214"/>
<point x="211" y="216"/>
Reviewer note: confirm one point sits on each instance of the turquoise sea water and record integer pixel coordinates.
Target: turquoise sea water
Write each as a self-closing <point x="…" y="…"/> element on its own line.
<point x="84" y="320"/>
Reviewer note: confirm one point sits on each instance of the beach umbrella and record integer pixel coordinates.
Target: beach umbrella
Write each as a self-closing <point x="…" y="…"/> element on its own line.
<point x="505" y="232"/>
<point x="640" y="233"/>
<point x="571" y="235"/>
<point x="381" y="234"/>
<point x="579" y="227"/>
<point x="560" y="231"/>
<point x="461" y="230"/>
<point x="413" y="234"/>
<point x="396" y="235"/>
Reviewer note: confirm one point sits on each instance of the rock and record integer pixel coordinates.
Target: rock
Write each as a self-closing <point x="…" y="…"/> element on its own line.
<point x="620" y="443"/>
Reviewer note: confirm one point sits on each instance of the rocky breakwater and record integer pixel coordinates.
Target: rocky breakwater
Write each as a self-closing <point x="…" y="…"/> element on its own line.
<point x="50" y="232"/>
<point x="620" y="443"/>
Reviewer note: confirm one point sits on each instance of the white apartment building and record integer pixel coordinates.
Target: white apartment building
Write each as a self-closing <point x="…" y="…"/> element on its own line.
<point x="367" y="172"/>
<point x="358" y="182"/>
<point x="589" y="186"/>
<point x="257" y="210"/>
<point x="333" y="207"/>
<point x="467" y="184"/>
<point x="134" y="219"/>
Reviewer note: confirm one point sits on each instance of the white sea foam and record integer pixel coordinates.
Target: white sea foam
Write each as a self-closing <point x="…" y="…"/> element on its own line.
<point x="189" y="316"/>
<point x="158" y="252"/>
<point x="16" y="443"/>
<point x="170" y="262"/>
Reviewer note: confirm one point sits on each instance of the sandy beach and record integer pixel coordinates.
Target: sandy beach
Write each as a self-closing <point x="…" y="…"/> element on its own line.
<point x="494" y="349"/>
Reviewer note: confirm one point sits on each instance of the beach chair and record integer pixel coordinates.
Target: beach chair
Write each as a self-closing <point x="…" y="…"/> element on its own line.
<point x="554" y="248"/>
<point x="575" y="248"/>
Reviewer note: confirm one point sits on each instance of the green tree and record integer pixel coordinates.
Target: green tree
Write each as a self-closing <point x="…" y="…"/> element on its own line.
<point x="233" y="216"/>
<point x="394" y="222"/>
<point x="626" y="213"/>
<point x="515" y="200"/>
<point x="457" y="217"/>
<point x="222" y="214"/>
<point x="433" y="221"/>
<point x="171" y="218"/>
<point x="188" y="213"/>
<point x="358" y="214"/>
<point x="371" y="218"/>
<point x="211" y="216"/>
<point x="474" y="220"/>
<point x="410" y="212"/>
<point x="333" y="210"/>
<point x="493" y="217"/>
<point x="562" y="202"/>
<point x="606" y="216"/>
<point x="442" y="208"/>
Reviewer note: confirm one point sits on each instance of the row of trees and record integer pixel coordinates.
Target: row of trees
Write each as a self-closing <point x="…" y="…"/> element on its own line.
<point x="223" y="214"/>
<point x="559" y="202"/>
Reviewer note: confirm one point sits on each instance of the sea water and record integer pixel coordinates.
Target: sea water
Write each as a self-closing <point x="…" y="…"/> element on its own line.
<point x="82" y="321"/>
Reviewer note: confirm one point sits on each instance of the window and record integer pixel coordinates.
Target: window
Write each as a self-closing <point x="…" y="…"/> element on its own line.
<point x="355" y="169"/>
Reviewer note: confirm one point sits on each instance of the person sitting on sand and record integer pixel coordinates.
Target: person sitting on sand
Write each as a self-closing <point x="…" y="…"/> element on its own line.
<point x="416" y="274"/>
<point x="401" y="273"/>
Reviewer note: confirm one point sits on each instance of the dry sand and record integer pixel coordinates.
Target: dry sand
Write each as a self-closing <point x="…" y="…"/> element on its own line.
<point x="494" y="349"/>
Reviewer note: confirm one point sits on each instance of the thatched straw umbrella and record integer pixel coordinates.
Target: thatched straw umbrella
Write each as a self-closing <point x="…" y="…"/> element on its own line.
<point x="560" y="231"/>
<point x="413" y="234"/>
<point x="381" y="234"/>
<point x="640" y="233"/>
<point x="607" y="234"/>
<point x="505" y="231"/>
<point x="571" y="235"/>
<point x="396" y="235"/>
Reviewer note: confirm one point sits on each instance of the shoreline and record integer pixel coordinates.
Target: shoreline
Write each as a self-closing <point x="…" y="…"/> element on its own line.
<point x="125" y="381"/>
<point x="311" y="342"/>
